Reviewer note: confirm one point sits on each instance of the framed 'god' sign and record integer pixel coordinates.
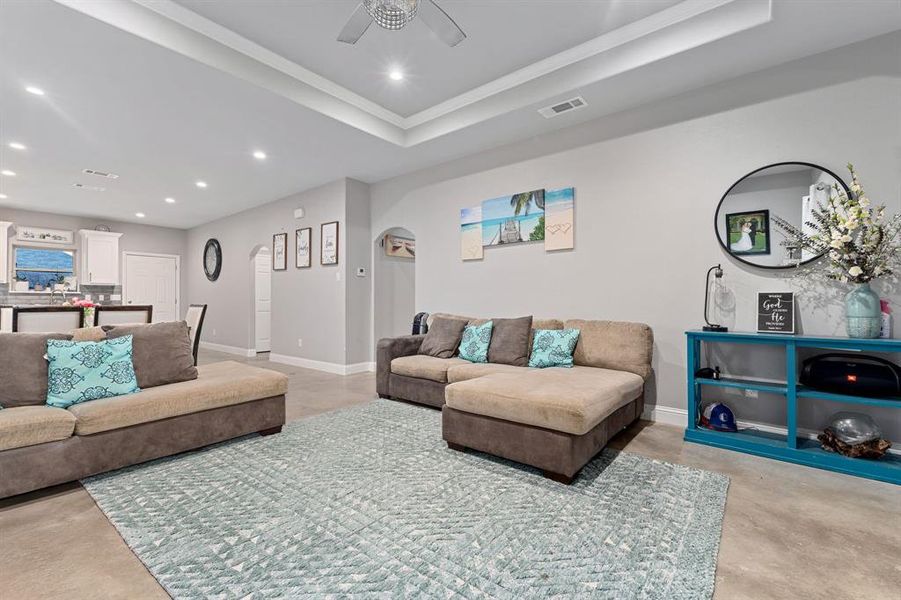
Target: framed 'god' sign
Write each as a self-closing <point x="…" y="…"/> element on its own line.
<point x="775" y="312"/>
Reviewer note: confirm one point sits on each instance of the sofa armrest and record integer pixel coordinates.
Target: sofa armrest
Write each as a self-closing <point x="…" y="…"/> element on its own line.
<point x="387" y="350"/>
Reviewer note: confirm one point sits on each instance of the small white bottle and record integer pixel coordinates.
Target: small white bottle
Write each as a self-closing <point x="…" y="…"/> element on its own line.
<point x="886" y="331"/>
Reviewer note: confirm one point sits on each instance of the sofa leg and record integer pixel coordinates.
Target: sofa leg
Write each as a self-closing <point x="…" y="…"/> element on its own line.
<point x="558" y="477"/>
<point x="270" y="431"/>
<point x="456" y="447"/>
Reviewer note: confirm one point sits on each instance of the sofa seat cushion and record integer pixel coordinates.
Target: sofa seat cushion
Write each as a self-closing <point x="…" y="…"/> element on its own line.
<point x="30" y="425"/>
<point x="423" y="366"/>
<point x="569" y="400"/>
<point x="469" y="371"/>
<point x="219" y="384"/>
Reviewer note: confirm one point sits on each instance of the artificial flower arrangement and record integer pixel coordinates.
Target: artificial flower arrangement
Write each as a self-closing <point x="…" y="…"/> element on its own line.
<point x="86" y="305"/>
<point x="860" y="245"/>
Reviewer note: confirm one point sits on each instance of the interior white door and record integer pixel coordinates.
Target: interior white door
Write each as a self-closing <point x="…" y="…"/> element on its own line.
<point x="152" y="280"/>
<point x="262" y="295"/>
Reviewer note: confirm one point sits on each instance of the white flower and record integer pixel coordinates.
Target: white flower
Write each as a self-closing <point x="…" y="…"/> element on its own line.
<point x="855" y="271"/>
<point x="864" y="201"/>
<point x="846" y="238"/>
<point x="855" y="187"/>
<point x="836" y="244"/>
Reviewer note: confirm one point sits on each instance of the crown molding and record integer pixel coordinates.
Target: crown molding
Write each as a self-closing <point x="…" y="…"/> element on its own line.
<point x="684" y="26"/>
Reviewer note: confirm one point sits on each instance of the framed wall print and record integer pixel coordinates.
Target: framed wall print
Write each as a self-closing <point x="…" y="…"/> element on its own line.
<point x="302" y="239"/>
<point x="280" y="252"/>
<point x="775" y="312"/>
<point x="328" y="244"/>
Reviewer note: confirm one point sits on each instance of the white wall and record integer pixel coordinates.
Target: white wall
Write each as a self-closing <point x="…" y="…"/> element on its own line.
<point x="135" y="238"/>
<point x="646" y="193"/>
<point x="393" y="290"/>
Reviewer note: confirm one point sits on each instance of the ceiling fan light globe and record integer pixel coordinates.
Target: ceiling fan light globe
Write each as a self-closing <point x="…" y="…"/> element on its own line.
<point x="391" y="14"/>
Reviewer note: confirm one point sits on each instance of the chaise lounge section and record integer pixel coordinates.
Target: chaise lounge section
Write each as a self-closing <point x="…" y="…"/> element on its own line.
<point x="554" y="419"/>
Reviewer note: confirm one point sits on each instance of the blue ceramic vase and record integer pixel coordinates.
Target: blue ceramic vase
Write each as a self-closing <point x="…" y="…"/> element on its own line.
<point x="862" y="311"/>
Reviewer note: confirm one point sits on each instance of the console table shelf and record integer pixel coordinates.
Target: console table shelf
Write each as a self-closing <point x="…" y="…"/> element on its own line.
<point x="787" y="447"/>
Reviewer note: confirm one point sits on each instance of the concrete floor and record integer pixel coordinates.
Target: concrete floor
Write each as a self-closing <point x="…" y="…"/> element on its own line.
<point x="789" y="531"/>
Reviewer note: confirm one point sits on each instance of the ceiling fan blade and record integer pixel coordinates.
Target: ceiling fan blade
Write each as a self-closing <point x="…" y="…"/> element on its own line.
<point x="356" y="26"/>
<point x="439" y="22"/>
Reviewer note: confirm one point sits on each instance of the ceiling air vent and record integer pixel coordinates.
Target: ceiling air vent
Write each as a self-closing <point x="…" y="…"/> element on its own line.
<point x="100" y="174"/>
<point x="90" y="188"/>
<point x="558" y="109"/>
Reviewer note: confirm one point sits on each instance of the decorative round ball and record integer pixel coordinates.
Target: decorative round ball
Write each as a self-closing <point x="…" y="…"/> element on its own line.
<point x="212" y="259"/>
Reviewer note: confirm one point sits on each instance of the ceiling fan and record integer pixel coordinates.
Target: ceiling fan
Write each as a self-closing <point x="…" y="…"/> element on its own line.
<point x="395" y="14"/>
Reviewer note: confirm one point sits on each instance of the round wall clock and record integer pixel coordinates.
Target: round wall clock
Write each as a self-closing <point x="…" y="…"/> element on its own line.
<point x="212" y="259"/>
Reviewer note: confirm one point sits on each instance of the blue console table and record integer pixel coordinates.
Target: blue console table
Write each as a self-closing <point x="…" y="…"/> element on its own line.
<point x="788" y="447"/>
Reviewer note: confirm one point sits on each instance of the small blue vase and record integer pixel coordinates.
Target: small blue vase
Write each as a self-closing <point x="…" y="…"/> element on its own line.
<point x="863" y="312"/>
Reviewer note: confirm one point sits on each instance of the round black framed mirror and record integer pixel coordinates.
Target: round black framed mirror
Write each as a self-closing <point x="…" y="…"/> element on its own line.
<point x="790" y="190"/>
<point x="212" y="259"/>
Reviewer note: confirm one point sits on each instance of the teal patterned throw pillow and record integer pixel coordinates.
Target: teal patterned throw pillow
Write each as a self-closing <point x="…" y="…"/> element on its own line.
<point x="553" y="348"/>
<point x="474" y="345"/>
<point x="82" y="371"/>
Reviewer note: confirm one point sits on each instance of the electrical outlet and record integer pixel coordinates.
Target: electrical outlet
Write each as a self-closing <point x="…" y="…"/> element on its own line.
<point x="102" y="297"/>
<point x="300" y="342"/>
<point x="751" y="393"/>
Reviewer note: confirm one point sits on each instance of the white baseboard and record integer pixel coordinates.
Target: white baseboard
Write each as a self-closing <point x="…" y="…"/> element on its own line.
<point x="319" y="365"/>
<point x="363" y="367"/>
<point x="246" y="352"/>
<point x="668" y="415"/>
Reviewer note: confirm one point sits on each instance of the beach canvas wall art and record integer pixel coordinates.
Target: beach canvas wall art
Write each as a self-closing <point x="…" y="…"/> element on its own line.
<point x="513" y="219"/>
<point x="534" y="216"/>
<point x="471" y="233"/>
<point x="559" y="223"/>
<point x="400" y="247"/>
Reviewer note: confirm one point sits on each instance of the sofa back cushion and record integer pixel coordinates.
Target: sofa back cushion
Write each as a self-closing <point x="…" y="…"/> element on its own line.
<point x="23" y="368"/>
<point x="617" y="345"/>
<point x="162" y="352"/>
<point x="443" y="337"/>
<point x="510" y="341"/>
<point x="431" y="319"/>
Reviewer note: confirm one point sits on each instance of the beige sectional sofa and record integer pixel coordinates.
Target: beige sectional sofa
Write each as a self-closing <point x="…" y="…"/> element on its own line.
<point x="555" y="419"/>
<point x="42" y="446"/>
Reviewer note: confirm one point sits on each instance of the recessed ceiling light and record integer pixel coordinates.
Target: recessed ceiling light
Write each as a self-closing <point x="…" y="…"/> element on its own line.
<point x="3" y="196"/>
<point x="259" y="155"/>
<point x="396" y="75"/>
<point x="140" y="215"/>
<point x="34" y="90"/>
<point x="201" y="184"/>
<point x="170" y="200"/>
<point x="16" y="146"/>
<point x="8" y="173"/>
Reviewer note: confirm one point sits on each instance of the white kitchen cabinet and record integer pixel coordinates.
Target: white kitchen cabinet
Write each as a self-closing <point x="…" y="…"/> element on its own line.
<point x="99" y="257"/>
<point x="4" y="251"/>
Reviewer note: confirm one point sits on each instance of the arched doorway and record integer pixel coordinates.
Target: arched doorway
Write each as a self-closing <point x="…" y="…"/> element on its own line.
<point x="393" y="283"/>
<point x="261" y="269"/>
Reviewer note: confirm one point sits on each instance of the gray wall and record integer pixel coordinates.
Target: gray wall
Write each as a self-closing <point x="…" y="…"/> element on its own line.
<point x="647" y="184"/>
<point x="359" y="255"/>
<point x="393" y="290"/>
<point x="325" y="306"/>
<point x="135" y="238"/>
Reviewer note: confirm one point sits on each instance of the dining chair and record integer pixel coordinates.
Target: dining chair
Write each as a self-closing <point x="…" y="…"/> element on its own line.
<point x="47" y="319"/>
<point x="122" y="315"/>
<point x="194" y="317"/>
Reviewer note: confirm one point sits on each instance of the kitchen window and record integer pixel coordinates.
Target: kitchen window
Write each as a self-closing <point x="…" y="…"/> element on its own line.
<point x="42" y="267"/>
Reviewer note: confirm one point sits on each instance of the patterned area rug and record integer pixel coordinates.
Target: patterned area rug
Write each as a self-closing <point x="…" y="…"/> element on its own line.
<point x="369" y="502"/>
